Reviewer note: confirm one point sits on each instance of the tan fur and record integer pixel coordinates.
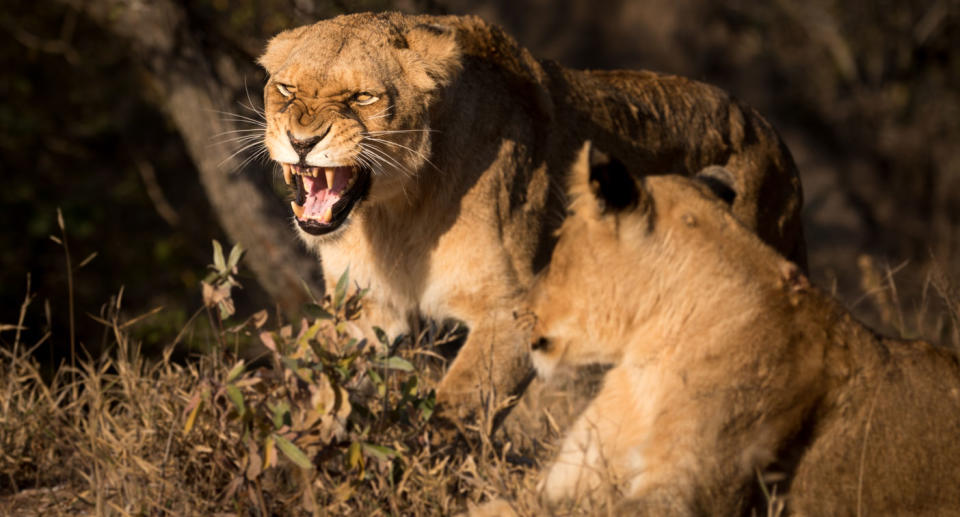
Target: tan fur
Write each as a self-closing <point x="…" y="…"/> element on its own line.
<point x="460" y="218"/>
<point x="726" y="360"/>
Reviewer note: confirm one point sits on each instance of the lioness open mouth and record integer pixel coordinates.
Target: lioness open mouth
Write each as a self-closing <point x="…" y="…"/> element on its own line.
<point x="325" y="195"/>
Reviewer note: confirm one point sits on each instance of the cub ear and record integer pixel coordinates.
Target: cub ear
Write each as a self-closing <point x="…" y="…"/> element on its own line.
<point x="605" y="184"/>
<point x="434" y="55"/>
<point x="279" y="48"/>
<point x="720" y="181"/>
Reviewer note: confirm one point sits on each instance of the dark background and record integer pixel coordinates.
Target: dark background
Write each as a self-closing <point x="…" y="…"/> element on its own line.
<point x="109" y="110"/>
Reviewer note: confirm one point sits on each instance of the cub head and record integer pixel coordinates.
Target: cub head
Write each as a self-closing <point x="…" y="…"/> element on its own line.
<point x="346" y="108"/>
<point x="629" y="249"/>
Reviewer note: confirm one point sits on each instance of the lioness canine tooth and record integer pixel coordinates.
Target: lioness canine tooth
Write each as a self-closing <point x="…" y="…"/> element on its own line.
<point x="331" y="174"/>
<point x="297" y="209"/>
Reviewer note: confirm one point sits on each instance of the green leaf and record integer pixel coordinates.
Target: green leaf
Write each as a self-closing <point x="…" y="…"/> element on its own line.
<point x="395" y="363"/>
<point x="291" y="364"/>
<point x="341" y="290"/>
<point x="309" y="334"/>
<point x="315" y="311"/>
<point x="381" y="336"/>
<point x="305" y="374"/>
<point x="410" y="387"/>
<point x="218" y="261"/>
<point x="226" y="310"/>
<point x="236" y="253"/>
<point x="306" y="288"/>
<point x="236" y="371"/>
<point x="379" y="451"/>
<point x="236" y="397"/>
<point x="293" y="452"/>
<point x="281" y="414"/>
<point x="354" y="456"/>
<point x="426" y="406"/>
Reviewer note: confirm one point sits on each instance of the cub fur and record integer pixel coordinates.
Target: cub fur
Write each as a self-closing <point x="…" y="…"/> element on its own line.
<point x="726" y="360"/>
<point x="429" y="156"/>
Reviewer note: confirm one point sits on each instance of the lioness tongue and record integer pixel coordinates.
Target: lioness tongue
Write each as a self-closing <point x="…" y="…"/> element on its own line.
<point x="319" y="197"/>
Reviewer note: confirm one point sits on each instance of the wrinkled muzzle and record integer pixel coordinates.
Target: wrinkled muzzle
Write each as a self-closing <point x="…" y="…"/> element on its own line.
<point x="318" y="154"/>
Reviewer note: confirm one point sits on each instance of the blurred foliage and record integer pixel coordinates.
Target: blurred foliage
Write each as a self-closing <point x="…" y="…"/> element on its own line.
<point x="73" y="127"/>
<point x="879" y="83"/>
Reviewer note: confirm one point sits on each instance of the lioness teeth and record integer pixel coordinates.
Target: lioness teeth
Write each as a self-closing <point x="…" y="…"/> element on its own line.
<point x="327" y="215"/>
<point x="329" y="174"/>
<point x="297" y="209"/>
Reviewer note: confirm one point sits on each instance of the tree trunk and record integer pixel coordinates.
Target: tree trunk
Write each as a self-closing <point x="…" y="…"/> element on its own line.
<point x="197" y="80"/>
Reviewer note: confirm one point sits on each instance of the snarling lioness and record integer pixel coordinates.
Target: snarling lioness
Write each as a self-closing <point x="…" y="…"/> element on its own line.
<point x="429" y="154"/>
<point x="725" y="360"/>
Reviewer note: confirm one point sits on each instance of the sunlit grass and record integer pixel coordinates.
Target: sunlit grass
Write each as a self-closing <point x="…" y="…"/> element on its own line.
<point x="321" y="422"/>
<point x="312" y="420"/>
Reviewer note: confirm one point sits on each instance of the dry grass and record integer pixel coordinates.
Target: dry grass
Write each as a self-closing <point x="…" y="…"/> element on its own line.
<point x="935" y="316"/>
<point x="320" y="423"/>
<point x="324" y="425"/>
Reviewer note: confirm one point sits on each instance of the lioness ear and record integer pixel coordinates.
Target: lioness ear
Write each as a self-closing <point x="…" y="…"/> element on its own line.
<point x="720" y="181"/>
<point x="603" y="185"/>
<point x="279" y="48"/>
<point x="434" y="56"/>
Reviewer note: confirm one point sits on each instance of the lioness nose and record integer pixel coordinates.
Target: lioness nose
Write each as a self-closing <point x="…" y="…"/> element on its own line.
<point x="302" y="147"/>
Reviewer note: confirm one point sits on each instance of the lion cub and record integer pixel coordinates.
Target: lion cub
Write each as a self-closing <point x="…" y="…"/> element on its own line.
<point x="725" y="360"/>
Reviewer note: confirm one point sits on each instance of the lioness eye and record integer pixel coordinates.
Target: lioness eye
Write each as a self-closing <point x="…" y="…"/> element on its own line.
<point x="364" y="98"/>
<point x="285" y="89"/>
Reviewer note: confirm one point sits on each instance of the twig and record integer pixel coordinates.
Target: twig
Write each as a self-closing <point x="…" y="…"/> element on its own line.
<point x="37" y="43"/>
<point x="155" y="193"/>
<point x="73" y="330"/>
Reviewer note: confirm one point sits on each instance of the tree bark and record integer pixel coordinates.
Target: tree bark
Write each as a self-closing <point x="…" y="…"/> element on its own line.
<point x="197" y="80"/>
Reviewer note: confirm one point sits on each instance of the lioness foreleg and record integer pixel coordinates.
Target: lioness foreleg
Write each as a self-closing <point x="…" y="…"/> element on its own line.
<point x="492" y="366"/>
